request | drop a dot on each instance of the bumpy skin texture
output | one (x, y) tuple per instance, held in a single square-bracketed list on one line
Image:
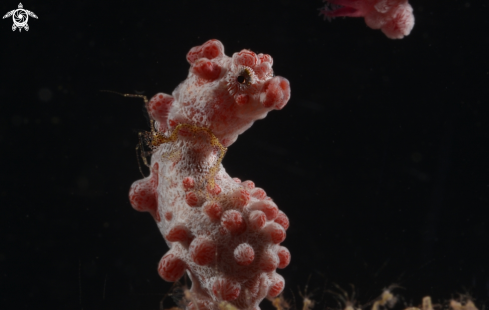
[(226, 237), (394, 17)]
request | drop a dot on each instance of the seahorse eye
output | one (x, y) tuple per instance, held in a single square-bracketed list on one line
[(241, 80)]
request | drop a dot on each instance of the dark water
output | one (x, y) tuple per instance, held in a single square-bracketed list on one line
[(380, 159)]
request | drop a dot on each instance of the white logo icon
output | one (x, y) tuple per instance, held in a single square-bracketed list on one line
[(20, 17)]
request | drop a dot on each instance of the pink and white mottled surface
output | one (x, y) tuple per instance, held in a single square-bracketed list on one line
[(394, 17), (226, 237)]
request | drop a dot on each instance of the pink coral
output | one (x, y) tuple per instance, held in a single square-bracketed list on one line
[(225, 235), (394, 17)]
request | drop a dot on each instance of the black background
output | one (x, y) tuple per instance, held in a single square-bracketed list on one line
[(380, 158)]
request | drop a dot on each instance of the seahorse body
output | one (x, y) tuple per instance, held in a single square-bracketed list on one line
[(394, 17), (226, 236)]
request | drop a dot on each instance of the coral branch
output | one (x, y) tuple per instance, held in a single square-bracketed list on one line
[(394, 17), (224, 233)]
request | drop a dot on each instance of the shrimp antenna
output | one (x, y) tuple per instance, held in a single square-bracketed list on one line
[(140, 146), (126, 95)]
